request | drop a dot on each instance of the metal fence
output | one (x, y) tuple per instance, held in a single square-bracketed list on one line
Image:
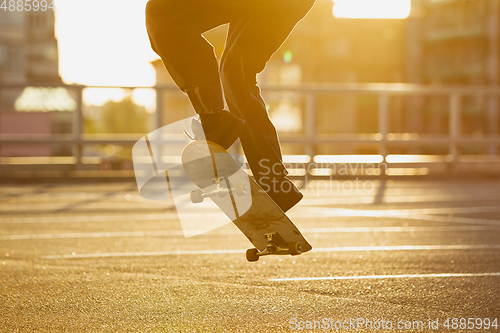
[(383, 139)]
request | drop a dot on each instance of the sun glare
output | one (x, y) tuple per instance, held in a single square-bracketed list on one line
[(99, 47), (105, 43), (372, 9)]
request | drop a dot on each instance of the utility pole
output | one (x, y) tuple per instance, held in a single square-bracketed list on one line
[(493, 72)]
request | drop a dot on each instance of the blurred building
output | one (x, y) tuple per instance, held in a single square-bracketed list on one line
[(321, 49), (28, 50), (29, 56), (332, 50), (454, 42), (174, 104), (325, 49)]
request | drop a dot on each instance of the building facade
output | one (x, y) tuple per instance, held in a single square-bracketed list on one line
[(454, 42), (28, 50), (29, 56), (321, 49)]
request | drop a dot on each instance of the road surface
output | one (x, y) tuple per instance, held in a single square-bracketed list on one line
[(400, 254)]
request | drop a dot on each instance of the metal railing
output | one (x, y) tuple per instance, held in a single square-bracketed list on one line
[(384, 139)]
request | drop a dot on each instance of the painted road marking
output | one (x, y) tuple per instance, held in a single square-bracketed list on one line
[(411, 214), (54, 206), (90, 218), (140, 254), (322, 199), (79, 205), (235, 232), (407, 248), (329, 249), (374, 277), (299, 212)]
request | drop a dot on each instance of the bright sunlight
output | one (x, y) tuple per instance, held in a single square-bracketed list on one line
[(374, 9)]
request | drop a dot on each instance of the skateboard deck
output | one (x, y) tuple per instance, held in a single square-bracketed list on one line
[(238, 195)]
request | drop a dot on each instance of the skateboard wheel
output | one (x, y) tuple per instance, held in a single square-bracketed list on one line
[(240, 188), (196, 196), (252, 255), (295, 249)]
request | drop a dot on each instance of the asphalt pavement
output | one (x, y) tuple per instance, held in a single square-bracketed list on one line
[(396, 255)]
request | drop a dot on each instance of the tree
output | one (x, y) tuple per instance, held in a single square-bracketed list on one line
[(124, 117)]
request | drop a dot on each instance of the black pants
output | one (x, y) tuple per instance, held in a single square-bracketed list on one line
[(257, 28)]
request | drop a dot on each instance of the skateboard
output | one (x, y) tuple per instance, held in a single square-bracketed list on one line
[(238, 195)]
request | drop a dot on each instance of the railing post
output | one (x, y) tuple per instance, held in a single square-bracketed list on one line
[(78, 128), (159, 106), (310, 126), (493, 67), (1, 110), (492, 118), (455, 128), (158, 146), (383, 123)]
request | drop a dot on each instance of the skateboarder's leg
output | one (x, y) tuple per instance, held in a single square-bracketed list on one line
[(175, 29), (251, 42)]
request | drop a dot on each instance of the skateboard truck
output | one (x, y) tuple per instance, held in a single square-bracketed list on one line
[(275, 245)]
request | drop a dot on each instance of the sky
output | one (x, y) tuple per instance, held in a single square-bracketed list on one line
[(379, 9), (104, 42)]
